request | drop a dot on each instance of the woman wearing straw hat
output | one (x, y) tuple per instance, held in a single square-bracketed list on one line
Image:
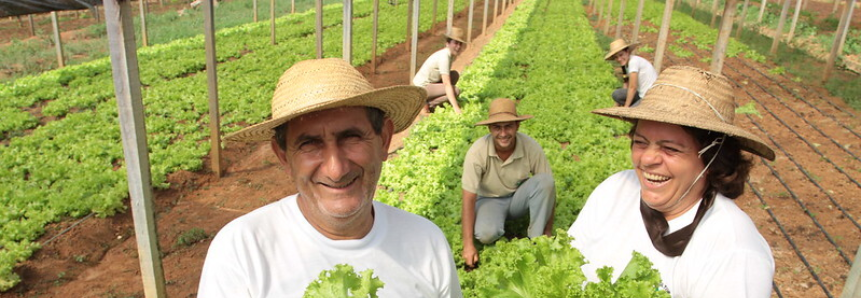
[(436, 75), (637, 72), (676, 205), (330, 129)]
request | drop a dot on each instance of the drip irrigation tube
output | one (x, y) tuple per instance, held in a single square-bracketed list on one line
[(67, 229), (851, 114), (789, 239)]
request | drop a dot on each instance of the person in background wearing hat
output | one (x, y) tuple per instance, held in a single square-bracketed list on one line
[(637, 73), (331, 131), (505, 174), (676, 205), (436, 75)]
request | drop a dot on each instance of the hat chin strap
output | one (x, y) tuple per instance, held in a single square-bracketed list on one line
[(719, 143)]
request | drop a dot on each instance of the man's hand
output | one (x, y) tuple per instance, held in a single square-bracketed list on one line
[(470, 255)]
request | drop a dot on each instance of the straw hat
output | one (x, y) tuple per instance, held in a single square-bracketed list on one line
[(315, 85), (617, 46), (692, 97), (457, 34), (502, 110)]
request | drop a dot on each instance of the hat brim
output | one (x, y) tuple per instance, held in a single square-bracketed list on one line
[(503, 118), (455, 38), (610, 54), (399, 103), (748, 141)]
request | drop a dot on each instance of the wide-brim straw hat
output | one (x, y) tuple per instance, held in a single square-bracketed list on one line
[(692, 97), (617, 46), (457, 34), (502, 110), (320, 84)]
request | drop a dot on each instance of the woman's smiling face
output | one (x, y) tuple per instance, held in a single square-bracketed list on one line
[(666, 160)]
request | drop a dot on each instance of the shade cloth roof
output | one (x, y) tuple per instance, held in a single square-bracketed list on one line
[(24, 7)]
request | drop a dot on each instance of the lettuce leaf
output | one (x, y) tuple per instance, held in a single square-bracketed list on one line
[(342, 281)]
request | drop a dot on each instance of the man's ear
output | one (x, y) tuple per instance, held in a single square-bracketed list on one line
[(386, 134), (281, 154)]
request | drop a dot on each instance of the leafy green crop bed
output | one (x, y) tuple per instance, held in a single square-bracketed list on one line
[(73, 166)]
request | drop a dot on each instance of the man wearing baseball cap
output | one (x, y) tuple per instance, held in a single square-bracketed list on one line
[(505, 175), (331, 130)]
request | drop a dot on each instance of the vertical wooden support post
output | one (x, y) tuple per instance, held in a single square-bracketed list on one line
[(254, 7), (449, 18), (761, 10), (794, 21), (433, 18), (484, 17), (662, 35), (601, 5), (852, 287), (126, 77), (292, 6), (635, 35), (838, 39), (32, 25), (95, 10), (319, 29), (212, 84), (609, 16), (272, 22), (714, 12), (779, 32), (742, 18), (719, 53), (469, 21), (144, 35), (621, 19), (58, 43), (495, 9), (836, 5), (416, 4), (347, 45), (374, 37), (848, 16), (409, 23)]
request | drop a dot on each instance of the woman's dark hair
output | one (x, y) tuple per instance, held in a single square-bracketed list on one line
[(375, 116), (730, 168)]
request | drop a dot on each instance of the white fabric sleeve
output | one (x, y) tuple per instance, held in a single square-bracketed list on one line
[(444, 64)]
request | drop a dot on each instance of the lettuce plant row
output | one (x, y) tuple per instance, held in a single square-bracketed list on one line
[(74, 166)]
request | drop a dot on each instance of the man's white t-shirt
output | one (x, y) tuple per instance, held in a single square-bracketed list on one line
[(274, 252), (726, 256), (646, 74), (438, 64)]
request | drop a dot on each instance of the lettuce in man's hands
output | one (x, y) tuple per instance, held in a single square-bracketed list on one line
[(342, 281)]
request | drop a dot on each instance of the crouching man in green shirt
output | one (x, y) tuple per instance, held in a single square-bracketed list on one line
[(505, 174)]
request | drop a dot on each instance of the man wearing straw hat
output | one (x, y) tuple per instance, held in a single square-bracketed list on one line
[(436, 75), (638, 74), (331, 130), (676, 205), (505, 174)]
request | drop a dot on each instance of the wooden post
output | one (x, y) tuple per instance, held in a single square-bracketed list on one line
[(601, 6), (409, 23), (292, 6), (416, 4), (144, 35), (610, 16), (449, 18), (621, 19), (779, 32), (433, 18), (319, 29), (495, 9), (58, 43), (719, 53), (848, 16), (836, 5), (761, 10), (742, 19), (126, 78), (254, 7), (272, 22), (636, 34), (212, 84), (348, 31), (852, 287), (794, 21), (374, 36), (714, 12), (484, 17), (32, 25), (469, 21), (662, 35), (95, 10)]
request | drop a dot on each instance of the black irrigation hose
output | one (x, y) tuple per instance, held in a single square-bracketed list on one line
[(788, 239), (67, 229), (798, 96), (851, 114), (799, 115)]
